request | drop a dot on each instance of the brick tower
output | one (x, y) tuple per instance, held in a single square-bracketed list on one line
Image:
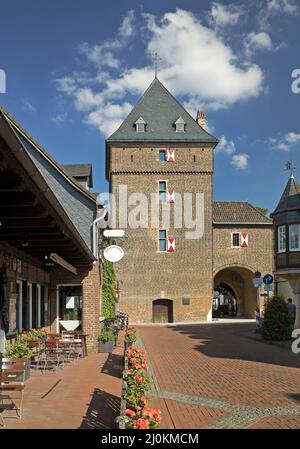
[(161, 151)]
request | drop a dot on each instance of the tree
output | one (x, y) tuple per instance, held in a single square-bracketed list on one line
[(277, 324), (262, 210)]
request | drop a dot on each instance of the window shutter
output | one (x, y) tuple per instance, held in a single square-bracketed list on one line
[(170, 196), (170, 155), (244, 240), (171, 245)]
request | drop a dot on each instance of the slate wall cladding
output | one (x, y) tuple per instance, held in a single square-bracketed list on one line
[(80, 209)]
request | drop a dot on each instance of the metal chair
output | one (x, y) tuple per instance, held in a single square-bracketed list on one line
[(12, 380)]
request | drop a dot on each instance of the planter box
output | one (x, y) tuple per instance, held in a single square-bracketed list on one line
[(108, 346)]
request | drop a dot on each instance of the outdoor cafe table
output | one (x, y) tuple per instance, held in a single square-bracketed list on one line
[(82, 336)]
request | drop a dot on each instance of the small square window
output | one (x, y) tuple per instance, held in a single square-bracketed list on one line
[(162, 240), (236, 240), (162, 191), (162, 155), (140, 127)]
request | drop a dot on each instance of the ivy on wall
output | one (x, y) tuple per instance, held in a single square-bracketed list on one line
[(109, 283), (4, 299)]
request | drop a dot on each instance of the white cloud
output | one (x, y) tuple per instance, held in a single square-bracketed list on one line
[(240, 161), (102, 55), (225, 146), (60, 118), (109, 117), (223, 15), (196, 64), (257, 41), (27, 106), (275, 7), (285, 143), (127, 27)]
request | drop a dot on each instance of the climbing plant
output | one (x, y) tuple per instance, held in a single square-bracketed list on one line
[(4, 298), (109, 283)]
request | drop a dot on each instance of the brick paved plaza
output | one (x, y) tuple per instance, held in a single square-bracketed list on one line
[(84, 394), (219, 376), (203, 376)]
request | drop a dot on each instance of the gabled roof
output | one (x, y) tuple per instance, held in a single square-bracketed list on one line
[(160, 110), (75, 205), (238, 212), (290, 199), (80, 171)]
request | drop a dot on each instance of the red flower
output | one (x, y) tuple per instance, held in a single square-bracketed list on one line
[(141, 424), (130, 413)]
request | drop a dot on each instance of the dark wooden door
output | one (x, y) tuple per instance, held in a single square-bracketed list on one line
[(162, 311)]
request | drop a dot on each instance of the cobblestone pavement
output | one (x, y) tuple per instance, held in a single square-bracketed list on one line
[(218, 376)]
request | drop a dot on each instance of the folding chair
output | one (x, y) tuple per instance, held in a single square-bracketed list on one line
[(12, 380)]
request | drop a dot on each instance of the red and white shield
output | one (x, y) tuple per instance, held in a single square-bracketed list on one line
[(171, 245), (171, 196), (170, 155), (244, 240)]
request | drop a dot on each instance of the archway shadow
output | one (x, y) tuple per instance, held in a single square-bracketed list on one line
[(114, 365), (102, 411), (236, 341)]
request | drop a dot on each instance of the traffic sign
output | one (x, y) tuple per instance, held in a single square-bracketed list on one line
[(257, 274), (268, 279), (257, 282), (268, 288)]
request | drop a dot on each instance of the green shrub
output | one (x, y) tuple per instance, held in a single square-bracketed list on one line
[(17, 350), (106, 336), (277, 324)]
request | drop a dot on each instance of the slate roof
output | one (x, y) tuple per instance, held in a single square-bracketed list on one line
[(290, 199), (160, 110), (238, 212), (80, 171), (76, 202)]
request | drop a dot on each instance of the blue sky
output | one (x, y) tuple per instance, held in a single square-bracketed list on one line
[(75, 69)]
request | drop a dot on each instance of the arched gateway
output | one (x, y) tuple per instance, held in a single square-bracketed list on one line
[(236, 287), (162, 311)]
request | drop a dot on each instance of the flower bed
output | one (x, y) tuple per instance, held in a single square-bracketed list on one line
[(135, 412)]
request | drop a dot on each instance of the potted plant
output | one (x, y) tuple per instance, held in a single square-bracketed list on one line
[(106, 341), (19, 350)]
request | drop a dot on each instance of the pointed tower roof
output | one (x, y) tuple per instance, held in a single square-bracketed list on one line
[(290, 199), (160, 110)]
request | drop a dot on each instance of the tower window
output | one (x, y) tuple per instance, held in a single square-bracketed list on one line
[(281, 239), (162, 186), (180, 125), (236, 240), (132, 158), (162, 155), (162, 240), (294, 232), (140, 125)]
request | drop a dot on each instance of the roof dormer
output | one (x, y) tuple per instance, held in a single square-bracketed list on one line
[(180, 125), (140, 125)]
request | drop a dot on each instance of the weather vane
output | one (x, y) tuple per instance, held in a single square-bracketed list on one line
[(290, 167), (156, 58)]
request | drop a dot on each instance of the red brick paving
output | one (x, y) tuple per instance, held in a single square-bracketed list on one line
[(220, 362), (278, 422), (87, 395)]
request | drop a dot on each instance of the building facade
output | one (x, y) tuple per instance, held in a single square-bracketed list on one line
[(48, 272), (287, 244), (161, 159)]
